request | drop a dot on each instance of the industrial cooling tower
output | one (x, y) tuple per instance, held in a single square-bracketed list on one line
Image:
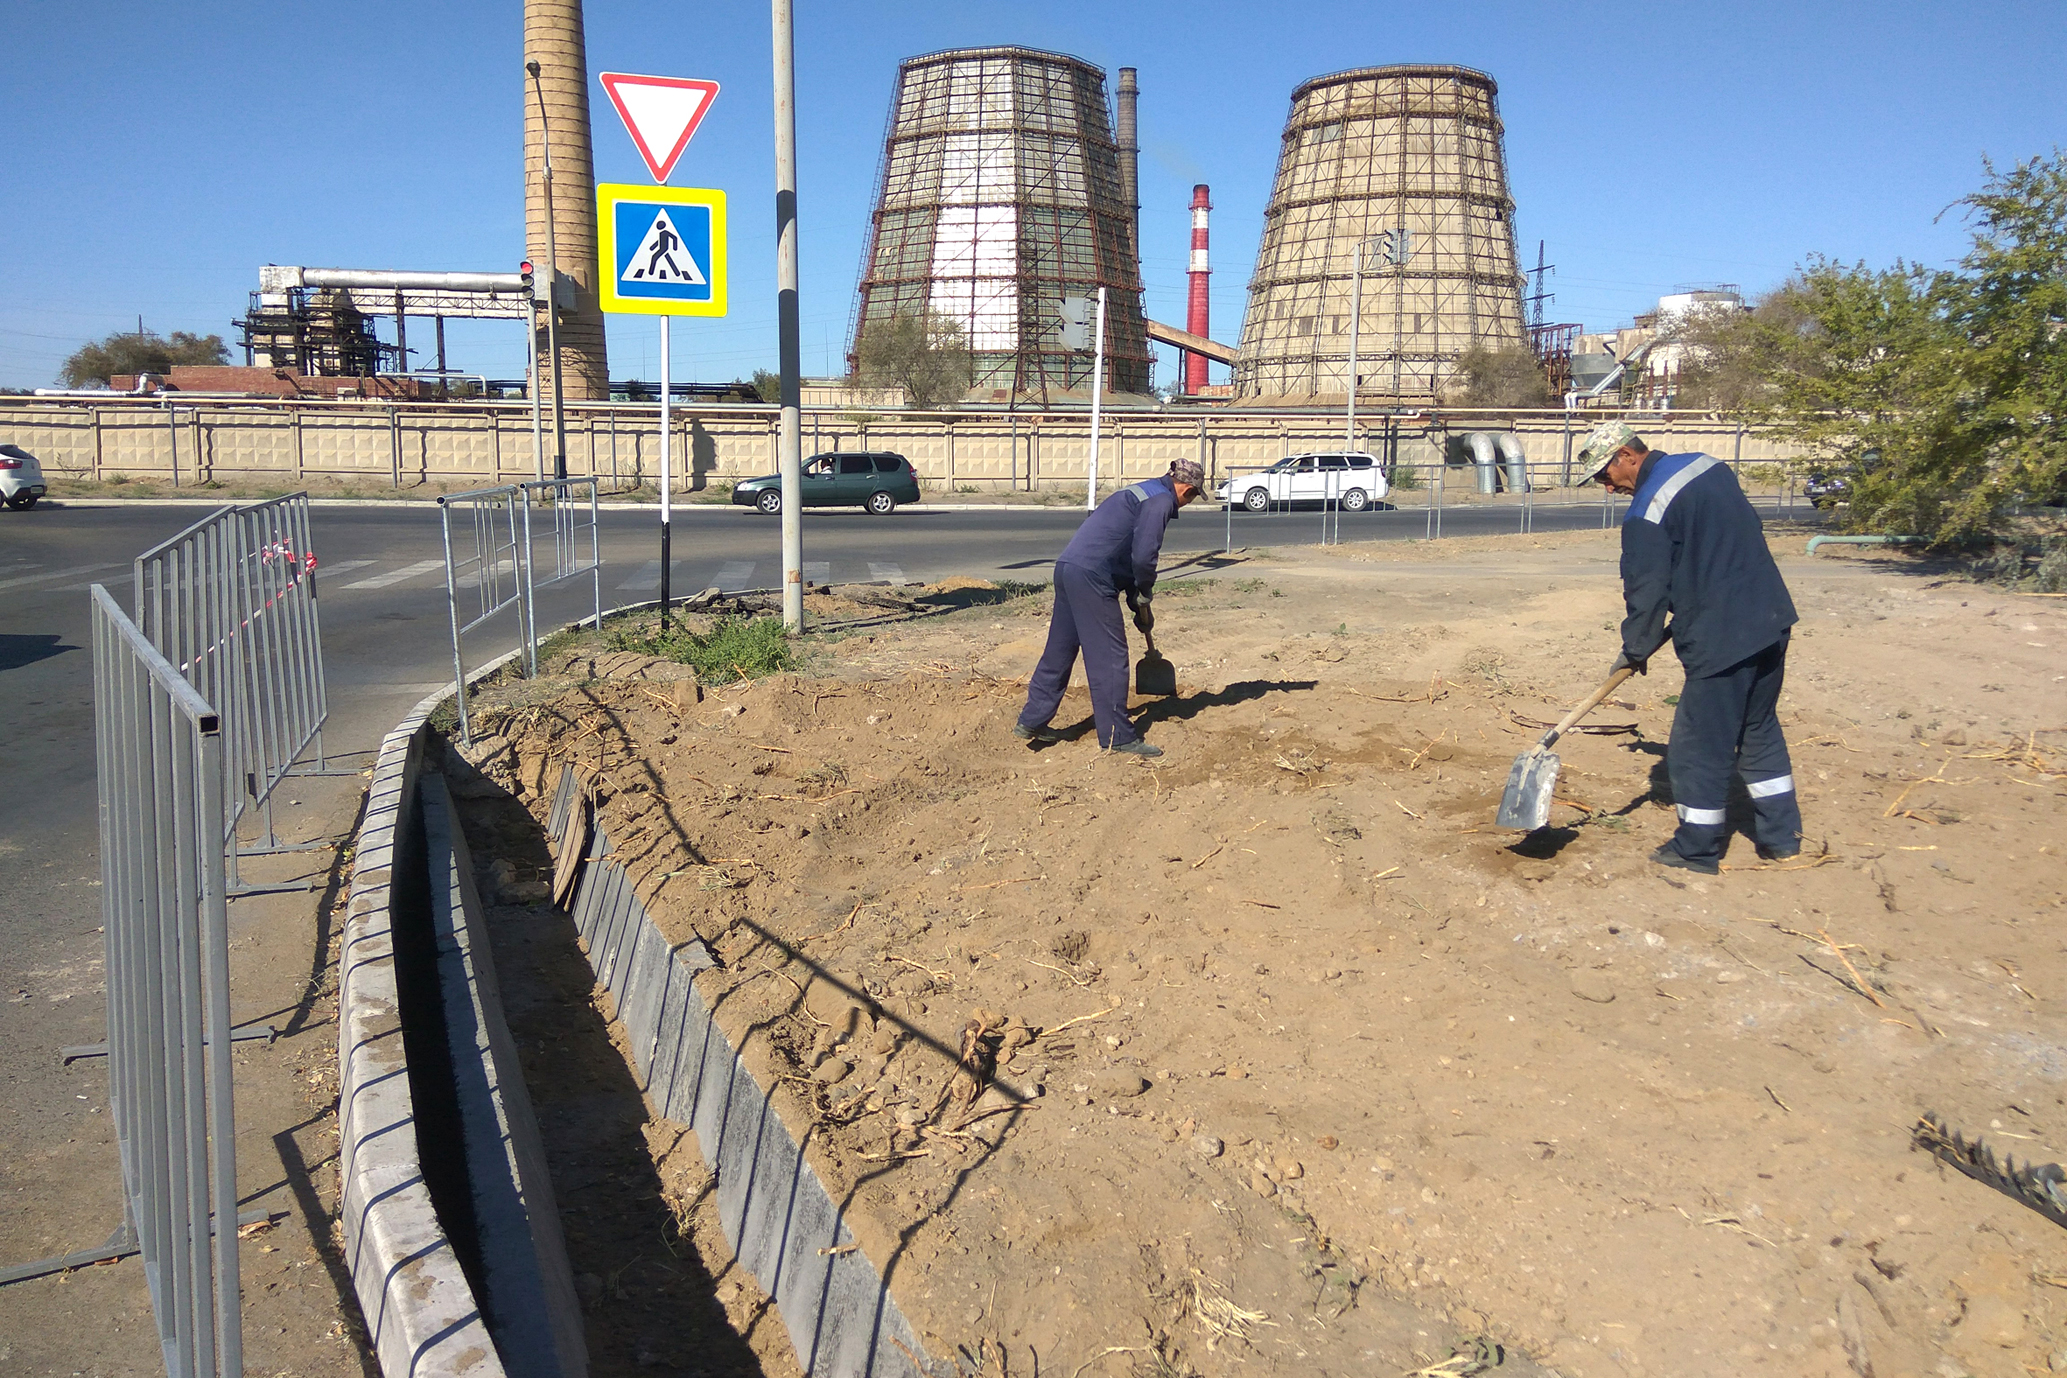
[(1001, 193), (1366, 155)]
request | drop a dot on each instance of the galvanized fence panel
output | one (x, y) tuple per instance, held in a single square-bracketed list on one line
[(160, 753), (576, 537), (487, 558), (231, 603)]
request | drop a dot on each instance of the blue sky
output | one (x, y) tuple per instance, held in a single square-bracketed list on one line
[(155, 156)]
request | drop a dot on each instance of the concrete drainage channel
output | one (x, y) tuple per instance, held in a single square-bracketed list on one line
[(450, 1223)]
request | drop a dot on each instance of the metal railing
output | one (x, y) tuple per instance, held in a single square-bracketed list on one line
[(231, 603), (161, 752), (1435, 490), (573, 526), (494, 558)]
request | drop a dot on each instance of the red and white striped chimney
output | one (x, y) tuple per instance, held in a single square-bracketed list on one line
[(1199, 311)]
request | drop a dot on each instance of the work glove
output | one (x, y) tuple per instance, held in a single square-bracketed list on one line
[(1625, 661), (1144, 614)]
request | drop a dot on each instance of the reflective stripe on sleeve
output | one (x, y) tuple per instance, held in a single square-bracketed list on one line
[(1708, 817), (1670, 488), (1766, 789)]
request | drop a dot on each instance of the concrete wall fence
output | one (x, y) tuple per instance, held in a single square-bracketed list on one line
[(401, 446)]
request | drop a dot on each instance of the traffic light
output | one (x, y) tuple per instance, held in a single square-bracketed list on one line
[(1075, 329)]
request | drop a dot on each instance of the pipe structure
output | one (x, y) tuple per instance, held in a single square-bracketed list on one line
[(405, 281), (1484, 457), (1130, 160), (1514, 459), (552, 278), (1198, 310), (553, 38)]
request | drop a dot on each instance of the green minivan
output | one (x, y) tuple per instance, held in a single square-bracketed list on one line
[(873, 480)]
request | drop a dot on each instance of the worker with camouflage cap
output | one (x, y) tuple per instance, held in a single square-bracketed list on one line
[(1114, 552), (1694, 549)]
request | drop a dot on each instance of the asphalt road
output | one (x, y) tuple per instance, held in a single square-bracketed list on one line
[(385, 639)]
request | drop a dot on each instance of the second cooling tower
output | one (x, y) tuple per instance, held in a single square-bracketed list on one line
[(1368, 154), (1001, 194)]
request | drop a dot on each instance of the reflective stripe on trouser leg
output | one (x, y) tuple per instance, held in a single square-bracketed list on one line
[(1762, 757), (1702, 757)]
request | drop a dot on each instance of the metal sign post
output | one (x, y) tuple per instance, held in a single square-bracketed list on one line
[(667, 468), (663, 252), (663, 248), (789, 445)]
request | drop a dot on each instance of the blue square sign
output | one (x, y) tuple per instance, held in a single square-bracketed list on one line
[(663, 250)]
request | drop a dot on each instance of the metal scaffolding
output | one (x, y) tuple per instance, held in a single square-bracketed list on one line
[(1367, 153), (1000, 192)]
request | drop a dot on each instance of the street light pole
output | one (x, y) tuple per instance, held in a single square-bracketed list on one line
[(552, 288), (789, 445), (1356, 319)]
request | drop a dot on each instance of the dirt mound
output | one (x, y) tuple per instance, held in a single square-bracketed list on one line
[(1276, 1053)]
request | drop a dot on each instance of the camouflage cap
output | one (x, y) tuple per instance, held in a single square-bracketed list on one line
[(1601, 446), (1188, 471)]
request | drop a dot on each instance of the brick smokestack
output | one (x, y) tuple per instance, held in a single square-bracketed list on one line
[(1198, 316), (553, 39), (1130, 161)]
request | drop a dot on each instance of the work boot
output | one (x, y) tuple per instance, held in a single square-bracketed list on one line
[(1035, 734), (1137, 747), (1669, 856), (1776, 854)]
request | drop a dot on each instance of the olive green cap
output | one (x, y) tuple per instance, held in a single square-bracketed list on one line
[(1601, 446)]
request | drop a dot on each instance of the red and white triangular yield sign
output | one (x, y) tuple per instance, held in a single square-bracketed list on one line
[(661, 113)]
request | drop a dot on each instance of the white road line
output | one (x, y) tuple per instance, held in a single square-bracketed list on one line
[(341, 566), (818, 571), (648, 577), (415, 571), (61, 574), (734, 575), (891, 573)]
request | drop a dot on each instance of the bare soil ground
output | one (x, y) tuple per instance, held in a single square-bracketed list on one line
[(1300, 1065)]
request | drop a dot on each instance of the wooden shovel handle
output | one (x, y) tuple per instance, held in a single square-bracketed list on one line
[(1593, 702)]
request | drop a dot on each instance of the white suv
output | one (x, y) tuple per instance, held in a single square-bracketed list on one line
[(1352, 481)]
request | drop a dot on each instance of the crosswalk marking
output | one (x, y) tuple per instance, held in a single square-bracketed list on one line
[(61, 573), (647, 577), (889, 573), (342, 566), (735, 574), (396, 576), (818, 571)]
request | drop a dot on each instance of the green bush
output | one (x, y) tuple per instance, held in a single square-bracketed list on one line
[(734, 648)]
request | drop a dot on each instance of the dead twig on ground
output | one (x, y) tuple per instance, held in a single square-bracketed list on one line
[(1080, 1019), (1066, 972), (1208, 856), (1857, 979), (920, 966), (992, 885), (1405, 810)]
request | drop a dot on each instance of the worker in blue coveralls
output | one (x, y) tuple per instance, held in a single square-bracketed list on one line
[(1693, 547), (1113, 553)]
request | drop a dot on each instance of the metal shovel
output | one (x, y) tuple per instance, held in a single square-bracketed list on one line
[(1154, 677), (1525, 803)]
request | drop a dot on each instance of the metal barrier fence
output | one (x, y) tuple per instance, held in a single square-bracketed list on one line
[(495, 558), (231, 603), (161, 754), (1519, 490)]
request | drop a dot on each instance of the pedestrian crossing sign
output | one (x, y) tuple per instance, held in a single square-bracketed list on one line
[(663, 249)]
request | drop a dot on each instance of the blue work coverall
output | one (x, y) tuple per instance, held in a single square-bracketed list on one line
[(1113, 551), (1693, 547)]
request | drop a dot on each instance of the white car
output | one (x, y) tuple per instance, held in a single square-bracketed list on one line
[(21, 478), (1352, 481)]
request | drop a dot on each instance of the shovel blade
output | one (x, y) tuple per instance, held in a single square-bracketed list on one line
[(1531, 784), (1155, 677)]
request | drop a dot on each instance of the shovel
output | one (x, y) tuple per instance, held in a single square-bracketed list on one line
[(1525, 804), (1154, 677)]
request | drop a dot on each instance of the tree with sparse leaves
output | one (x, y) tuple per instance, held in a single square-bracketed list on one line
[(768, 385), (1499, 376), (927, 355), (132, 352), (1939, 397)]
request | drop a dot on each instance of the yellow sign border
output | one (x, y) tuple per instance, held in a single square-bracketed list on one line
[(608, 195)]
